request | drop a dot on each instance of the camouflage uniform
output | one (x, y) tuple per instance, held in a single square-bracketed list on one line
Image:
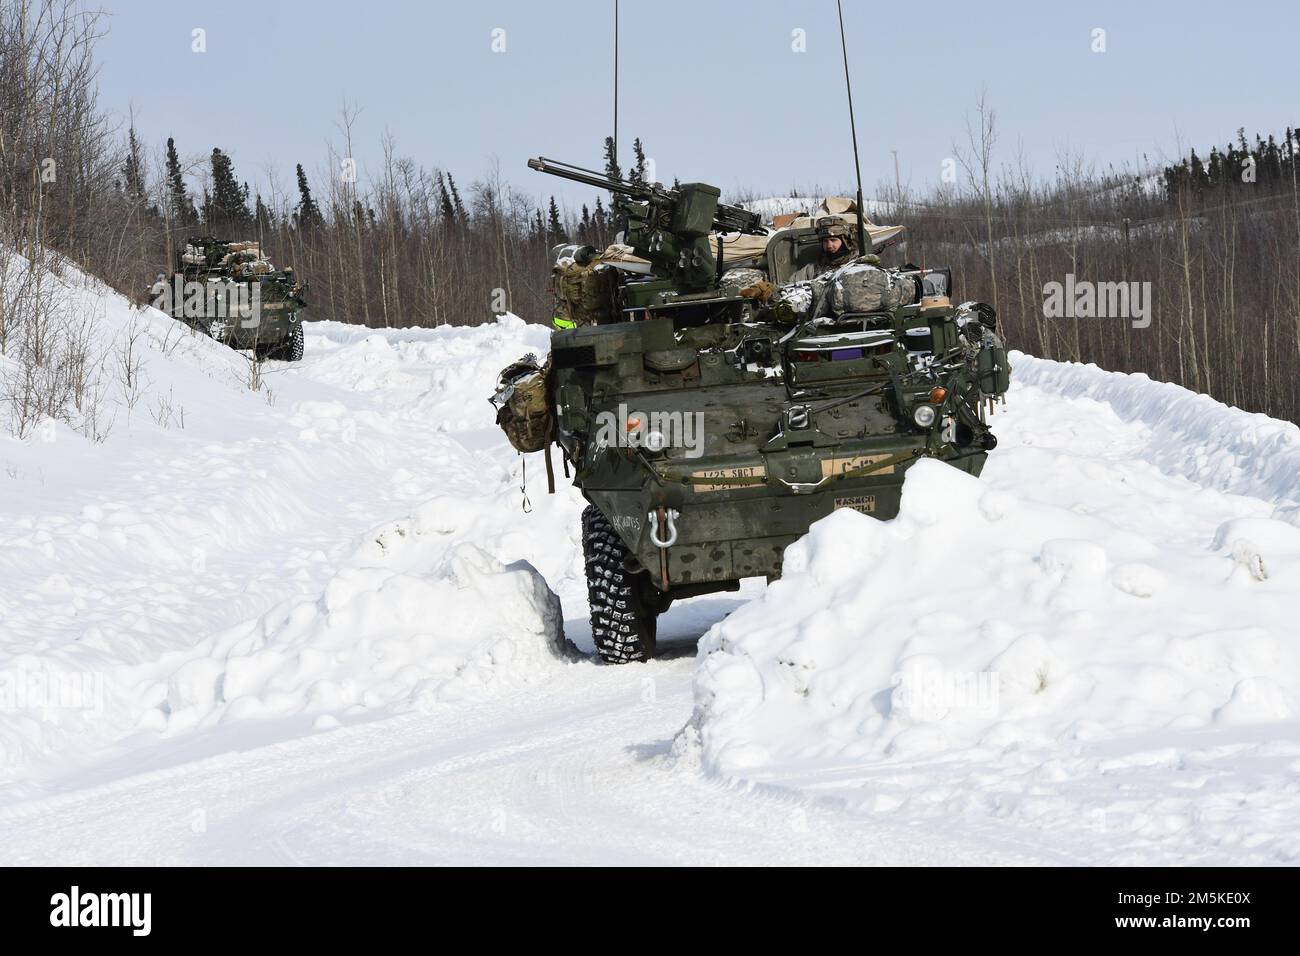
[(829, 226)]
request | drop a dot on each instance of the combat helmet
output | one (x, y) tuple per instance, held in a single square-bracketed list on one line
[(836, 227)]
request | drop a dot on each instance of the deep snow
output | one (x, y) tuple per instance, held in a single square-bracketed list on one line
[(314, 623)]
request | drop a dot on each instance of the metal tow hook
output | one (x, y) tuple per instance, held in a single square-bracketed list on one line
[(657, 521)]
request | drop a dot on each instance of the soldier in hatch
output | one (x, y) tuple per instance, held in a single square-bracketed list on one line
[(838, 247)]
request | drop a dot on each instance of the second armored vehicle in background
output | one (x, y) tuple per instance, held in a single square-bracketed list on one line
[(230, 290)]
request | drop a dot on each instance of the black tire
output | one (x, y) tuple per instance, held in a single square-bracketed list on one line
[(290, 350), (622, 620)]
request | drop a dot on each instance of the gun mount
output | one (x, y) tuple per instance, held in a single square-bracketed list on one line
[(669, 227)]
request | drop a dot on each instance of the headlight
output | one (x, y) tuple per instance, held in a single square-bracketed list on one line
[(924, 415)]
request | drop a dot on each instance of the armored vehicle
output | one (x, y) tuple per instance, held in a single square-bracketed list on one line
[(726, 408), (230, 290)]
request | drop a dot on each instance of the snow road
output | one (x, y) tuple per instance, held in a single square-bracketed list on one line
[(576, 771), (300, 639)]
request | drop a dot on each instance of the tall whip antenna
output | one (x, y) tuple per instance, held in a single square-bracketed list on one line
[(857, 166), (615, 151)]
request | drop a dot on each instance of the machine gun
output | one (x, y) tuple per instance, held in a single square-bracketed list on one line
[(669, 227)]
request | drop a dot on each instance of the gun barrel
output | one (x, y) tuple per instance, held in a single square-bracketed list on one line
[(579, 175), (735, 219), (726, 219)]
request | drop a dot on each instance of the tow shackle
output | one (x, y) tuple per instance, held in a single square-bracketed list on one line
[(668, 518)]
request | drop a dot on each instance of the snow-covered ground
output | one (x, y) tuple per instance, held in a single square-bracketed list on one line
[(314, 623)]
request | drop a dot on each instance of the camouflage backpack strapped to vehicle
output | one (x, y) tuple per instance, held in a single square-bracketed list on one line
[(586, 292), (864, 287), (523, 405)]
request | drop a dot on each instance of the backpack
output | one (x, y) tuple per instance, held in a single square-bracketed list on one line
[(863, 287), (586, 292), (523, 404)]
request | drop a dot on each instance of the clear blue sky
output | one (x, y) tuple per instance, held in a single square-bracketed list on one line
[(713, 88)]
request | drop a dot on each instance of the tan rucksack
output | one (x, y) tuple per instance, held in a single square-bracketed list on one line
[(586, 292), (523, 404)]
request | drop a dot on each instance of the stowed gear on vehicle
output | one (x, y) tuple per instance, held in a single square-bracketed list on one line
[(731, 404)]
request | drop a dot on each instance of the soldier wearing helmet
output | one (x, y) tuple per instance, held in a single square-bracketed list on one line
[(839, 245)]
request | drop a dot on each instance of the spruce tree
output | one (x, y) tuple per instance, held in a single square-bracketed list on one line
[(455, 200), (554, 227), (445, 206), (228, 207), (262, 221), (133, 169), (308, 212), (638, 174), (611, 161), (183, 213)]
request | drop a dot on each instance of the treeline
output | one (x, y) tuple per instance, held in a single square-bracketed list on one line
[(409, 247), (400, 245), (1217, 239), (1219, 249), (1267, 161)]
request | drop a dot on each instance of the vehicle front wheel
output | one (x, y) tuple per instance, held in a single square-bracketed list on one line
[(291, 349), (622, 620)]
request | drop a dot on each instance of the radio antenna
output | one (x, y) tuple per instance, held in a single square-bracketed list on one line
[(615, 140), (857, 166)]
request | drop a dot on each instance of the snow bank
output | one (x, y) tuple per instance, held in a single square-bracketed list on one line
[(199, 508), (407, 620), (1188, 434), (975, 619), (1004, 641)]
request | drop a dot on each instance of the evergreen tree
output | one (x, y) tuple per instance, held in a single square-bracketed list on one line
[(638, 174), (611, 161), (1199, 179), (228, 208), (445, 207), (455, 200), (183, 213), (133, 169), (554, 227), (308, 212)]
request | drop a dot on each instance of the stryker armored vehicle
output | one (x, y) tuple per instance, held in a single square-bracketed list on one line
[(713, 421), (230, 290)]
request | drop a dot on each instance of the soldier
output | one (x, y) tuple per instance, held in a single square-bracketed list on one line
[(838, 247)]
